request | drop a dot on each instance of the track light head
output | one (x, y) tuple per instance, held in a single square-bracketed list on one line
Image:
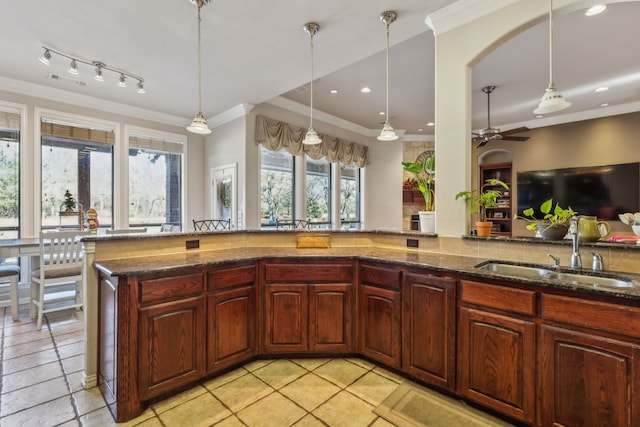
[(73, 67), (122, 82), (46, 56), (141, 87), (99, 67)]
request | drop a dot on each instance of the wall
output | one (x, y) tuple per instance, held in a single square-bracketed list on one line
[(603, 141)]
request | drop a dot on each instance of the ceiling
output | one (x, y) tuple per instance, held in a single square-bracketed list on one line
[(255, 51)]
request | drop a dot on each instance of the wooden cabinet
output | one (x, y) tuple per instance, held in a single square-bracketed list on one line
[(497, 348), (502, 215), (379, 313), (171, 333), (308, 306), (231, 319), (428, 328), (588, 376)]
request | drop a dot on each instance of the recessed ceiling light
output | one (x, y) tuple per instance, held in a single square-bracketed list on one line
[(334, 90), (382, 113), (601, 89), (604, 104), (539, 116), (431, 124), (594, 10), (365, 89), (420, 130)]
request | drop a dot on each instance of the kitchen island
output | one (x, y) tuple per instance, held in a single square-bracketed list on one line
[(168, 317)]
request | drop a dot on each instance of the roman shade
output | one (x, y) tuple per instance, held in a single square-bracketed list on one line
[(276, 135)]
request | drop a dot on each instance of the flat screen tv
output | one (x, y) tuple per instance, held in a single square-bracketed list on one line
[(602, 191)]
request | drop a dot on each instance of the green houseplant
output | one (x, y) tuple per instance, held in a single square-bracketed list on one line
[(424, 173), (555, 220), (479, 201)]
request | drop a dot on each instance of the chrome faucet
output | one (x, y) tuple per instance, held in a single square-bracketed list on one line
[(556, 260), (596, 264), (576, 261)]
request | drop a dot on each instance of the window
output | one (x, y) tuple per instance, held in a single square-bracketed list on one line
[(318, 193), (155, 182), (350, 196), (276, 187), (76, 159), (9, 173)]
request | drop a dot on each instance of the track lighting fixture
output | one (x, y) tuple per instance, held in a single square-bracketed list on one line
[(46, 56), (73, 68), (99, 68), (199, 124)]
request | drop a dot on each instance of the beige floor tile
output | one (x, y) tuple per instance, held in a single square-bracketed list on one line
[(231, 421), (388, 374), (26, 337), (18, 380), (103, 418), (54, 412), (381, 422), (57, 319), (71, 349), (204, 410), (75, 381), (29, 361), (361, 362), (178, 399), (70, 338), (346, 410), (279, 373), (24, 324), (340, 372), (309, 421), (224, 379), (273, 410), (310, 391), (73, 364), (67, 326), (310, 364), (242, 392), (36, 394), (257, 364), (88, 400), (373, 388), (27, 348)]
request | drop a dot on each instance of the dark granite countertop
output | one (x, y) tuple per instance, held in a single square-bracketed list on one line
[(438, 262)]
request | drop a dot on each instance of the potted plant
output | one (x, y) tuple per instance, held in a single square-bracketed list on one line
[(479, 201), (554, 223), (424, 175)]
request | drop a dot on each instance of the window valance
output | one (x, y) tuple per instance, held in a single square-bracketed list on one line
[(276, 135)]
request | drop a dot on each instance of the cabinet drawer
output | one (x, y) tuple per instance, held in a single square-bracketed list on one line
[(170, 288), (387, 277), (500, 297), (308, 273), (232, 276), (598, 315)]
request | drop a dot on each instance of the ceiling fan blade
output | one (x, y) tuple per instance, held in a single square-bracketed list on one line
[(514, 138), (516, 130), (483, 142)]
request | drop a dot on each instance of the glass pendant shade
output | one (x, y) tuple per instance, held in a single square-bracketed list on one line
[(387, 133), (199, 125), (311, 138), (552, 100)]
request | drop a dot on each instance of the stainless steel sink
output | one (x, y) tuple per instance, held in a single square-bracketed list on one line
[(543, 272)]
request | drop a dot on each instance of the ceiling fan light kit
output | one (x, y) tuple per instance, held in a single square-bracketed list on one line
[(552, 100), (483, 136), (199, 124), (387, 133), (311, 138)]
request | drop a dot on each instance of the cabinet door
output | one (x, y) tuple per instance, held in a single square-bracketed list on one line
[(379, 319), (330, 317), (428, 323), (286, 324), (587, 380), (496, 362), (231, 328), (172, 349)]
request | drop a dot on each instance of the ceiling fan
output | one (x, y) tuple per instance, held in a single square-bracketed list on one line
[(493, 134)]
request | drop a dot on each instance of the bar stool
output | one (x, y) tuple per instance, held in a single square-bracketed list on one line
[(9, 273)]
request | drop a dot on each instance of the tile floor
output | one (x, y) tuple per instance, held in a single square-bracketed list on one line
[(42, 371)]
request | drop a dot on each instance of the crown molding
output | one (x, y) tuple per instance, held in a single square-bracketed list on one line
[(461, 13), (240, 110), (60, 95)]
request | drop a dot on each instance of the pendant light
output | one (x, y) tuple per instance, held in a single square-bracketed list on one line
[(387, 133), (552, 100), (311, 138), (199, 124)]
